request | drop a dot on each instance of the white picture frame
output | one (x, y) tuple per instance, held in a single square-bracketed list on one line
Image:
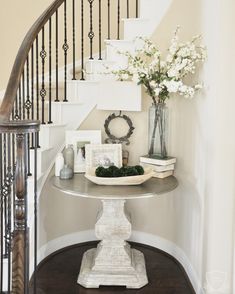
[(103, 155), (79, 139)]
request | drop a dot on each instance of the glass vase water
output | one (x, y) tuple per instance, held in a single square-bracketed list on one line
[(158, 130)]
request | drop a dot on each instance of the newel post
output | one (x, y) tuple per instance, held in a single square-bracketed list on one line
[(20, 235)]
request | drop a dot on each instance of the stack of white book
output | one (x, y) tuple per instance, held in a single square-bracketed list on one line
[(163, 168)]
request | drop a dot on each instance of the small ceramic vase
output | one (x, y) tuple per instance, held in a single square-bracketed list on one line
[(69, 156), (59, 163), (66, 173)]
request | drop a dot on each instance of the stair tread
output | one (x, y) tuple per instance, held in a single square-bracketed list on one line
[(139, 19), (42, 149), (117, 41), (52, 125), (65, 103)]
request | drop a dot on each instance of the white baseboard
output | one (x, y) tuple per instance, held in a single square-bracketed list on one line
[(172, 249), (140, 237)]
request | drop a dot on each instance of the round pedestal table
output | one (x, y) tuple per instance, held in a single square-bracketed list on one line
[(113, 262)]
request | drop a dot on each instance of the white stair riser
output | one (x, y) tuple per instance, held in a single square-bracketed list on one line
[(124, 96), (99, 66), (44, 137), (113, 49), (108, 95), (51, 135), (137, 28), (100, 77), (82, 91)]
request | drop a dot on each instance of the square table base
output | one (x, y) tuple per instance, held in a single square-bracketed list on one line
[(133, 276)]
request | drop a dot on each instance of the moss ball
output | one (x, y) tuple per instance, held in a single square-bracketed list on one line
[(99, 171), (131, 171), (102, 172), (117, 173), (140, 169)]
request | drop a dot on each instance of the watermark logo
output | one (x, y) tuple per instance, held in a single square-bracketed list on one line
[(216, 282)]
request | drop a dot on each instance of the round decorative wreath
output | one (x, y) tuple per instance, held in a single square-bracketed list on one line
[(113, 139)]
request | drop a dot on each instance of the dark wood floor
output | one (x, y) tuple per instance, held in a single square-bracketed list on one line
[(58, 274)]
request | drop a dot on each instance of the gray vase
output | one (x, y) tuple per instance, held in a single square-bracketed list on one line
[(69, 157), (66, 173)]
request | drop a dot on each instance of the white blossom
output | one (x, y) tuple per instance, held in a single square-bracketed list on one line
[(135, 78), (162, 75), (153, 84), (157, 91)]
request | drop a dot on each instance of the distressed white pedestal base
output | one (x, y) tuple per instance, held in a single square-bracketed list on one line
[(132, 277), (113, 262)]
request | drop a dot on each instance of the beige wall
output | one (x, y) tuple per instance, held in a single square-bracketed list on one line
[(16, 17)]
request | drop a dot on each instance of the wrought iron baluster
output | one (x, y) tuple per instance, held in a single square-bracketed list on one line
[(28, 106), (74, 41), (65, 48), (91, 33), (50, 71), (82, 40), (137, 8), (32, 90), (28, 103), (43, 91), (15, 114), (20, 101), (37, 86), (57, 56), (118, 20), (37, 79), (35, 215), (128, 9), (100, 30), (109, 21), (32, 82), (23, 93)]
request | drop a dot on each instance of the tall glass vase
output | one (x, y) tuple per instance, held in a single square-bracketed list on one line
[(158, 130)]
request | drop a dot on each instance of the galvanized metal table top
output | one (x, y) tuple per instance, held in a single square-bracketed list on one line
[(80, 186)]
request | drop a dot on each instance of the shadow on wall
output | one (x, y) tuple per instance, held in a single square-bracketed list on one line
[(62, 214)]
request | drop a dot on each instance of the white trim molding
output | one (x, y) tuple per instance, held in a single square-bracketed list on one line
[(139, 237)]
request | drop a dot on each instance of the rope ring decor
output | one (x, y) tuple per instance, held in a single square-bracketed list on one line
[(113, 139)]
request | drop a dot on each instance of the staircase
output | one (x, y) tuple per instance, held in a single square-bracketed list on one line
[(62, 99)]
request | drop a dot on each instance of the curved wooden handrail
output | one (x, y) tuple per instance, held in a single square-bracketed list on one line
[(17, 70)]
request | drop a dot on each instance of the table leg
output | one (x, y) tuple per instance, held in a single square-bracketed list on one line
[(113, 262)]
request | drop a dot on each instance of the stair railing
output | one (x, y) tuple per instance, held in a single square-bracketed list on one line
[(69, 30)]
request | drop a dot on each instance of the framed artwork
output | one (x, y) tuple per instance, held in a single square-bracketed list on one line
[(79, 139), (103, 155)]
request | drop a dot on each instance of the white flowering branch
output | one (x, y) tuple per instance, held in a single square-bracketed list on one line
[(161, 77)]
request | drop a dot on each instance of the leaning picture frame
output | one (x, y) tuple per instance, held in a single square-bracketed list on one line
[(103, 155), (79, 139)]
